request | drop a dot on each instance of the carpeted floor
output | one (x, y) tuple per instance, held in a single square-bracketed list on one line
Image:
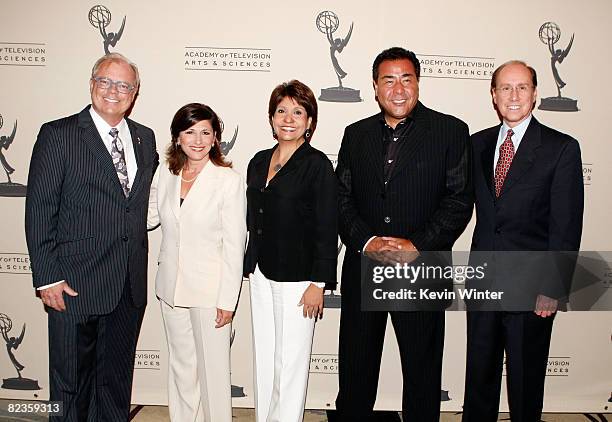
[(160, 414)]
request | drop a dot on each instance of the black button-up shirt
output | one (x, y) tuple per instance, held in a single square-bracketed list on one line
[(392, 139), (293, 220)]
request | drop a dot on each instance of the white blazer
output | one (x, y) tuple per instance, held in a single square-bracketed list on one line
[(203, 241)]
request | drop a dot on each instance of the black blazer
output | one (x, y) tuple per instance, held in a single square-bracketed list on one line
[(540, 206), (292, 222), (79, 225), (541, 203), (428, 198)]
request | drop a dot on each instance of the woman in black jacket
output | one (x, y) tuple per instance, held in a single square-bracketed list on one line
[(292, 251)]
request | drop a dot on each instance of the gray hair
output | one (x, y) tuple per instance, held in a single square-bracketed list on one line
[(116, 57)]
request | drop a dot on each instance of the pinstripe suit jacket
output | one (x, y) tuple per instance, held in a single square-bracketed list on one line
[(80, 227), (428, 197)]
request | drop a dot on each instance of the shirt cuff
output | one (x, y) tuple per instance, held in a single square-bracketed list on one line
[(46, 286), (367, 243), (318, 284)]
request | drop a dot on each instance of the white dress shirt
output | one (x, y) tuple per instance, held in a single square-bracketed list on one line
[(126, 139), (519, 131)]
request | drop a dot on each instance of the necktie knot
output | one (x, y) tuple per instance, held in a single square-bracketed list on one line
[(114, 132), (508, 134)]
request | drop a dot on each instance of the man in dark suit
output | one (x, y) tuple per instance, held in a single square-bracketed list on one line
[(86, 209), (529, 197), (405, 185)]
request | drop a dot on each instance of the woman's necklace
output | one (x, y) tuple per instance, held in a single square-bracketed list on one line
[(276, 168)]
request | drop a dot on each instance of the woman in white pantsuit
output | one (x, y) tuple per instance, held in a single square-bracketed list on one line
[(200, 203), (292, 251)]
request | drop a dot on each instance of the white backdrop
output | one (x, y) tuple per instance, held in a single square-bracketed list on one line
[(230, 55)]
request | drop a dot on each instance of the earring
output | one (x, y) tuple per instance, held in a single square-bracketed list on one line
[(274, 135), (308, 133)]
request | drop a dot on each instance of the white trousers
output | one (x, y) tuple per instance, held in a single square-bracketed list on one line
[(282, 342), (199, 387)]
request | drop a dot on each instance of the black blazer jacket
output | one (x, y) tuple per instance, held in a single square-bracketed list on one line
[(292, 222), (540, 206), (541, 203), (79, 225), (428, 197)]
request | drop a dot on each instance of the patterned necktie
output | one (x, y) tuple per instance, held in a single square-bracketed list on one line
[(118, 156), (506, 154)]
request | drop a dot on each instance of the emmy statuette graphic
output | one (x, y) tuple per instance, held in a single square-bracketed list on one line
[(12, 343), (327, 22), (550, 33), (9, 188), (100, 17), (226, 147)]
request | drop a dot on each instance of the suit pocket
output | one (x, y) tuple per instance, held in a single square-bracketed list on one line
[(77, 247)]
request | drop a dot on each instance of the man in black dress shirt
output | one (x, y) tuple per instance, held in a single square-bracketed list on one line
[(404, 186)]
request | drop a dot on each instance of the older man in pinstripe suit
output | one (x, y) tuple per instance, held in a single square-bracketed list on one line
[(86, 209), (404, 186)]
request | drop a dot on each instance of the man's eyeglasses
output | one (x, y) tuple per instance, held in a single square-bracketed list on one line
[(506, 90), (106, 83)]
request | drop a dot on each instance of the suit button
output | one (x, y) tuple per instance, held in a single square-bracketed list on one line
[(259, 231), (262, 190), (124, 238), (497, 230), (261, 210), (127, 209), (387, 219)]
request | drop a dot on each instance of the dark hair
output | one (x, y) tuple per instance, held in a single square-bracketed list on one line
[(534, 76), (185, 117), (301, 94), (395, 53)]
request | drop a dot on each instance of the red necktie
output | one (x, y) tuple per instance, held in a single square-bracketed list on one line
[(506, 154)]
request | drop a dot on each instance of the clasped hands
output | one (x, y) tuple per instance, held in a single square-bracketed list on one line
[(391, 250)]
